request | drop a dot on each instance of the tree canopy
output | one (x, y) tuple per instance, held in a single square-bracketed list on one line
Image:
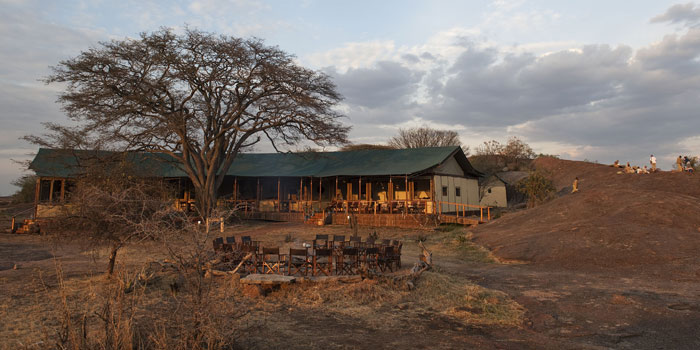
[(199, 97), (426, 137)]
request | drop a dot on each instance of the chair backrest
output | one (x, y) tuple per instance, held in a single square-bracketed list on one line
[(246, 239), (386, 241), (324, 252), (271, 251), (298, 252), (350, 251), (339, 238), (355, 239), (372, 251), (321, 237), (231, 240), (219, 241), (389, 250)]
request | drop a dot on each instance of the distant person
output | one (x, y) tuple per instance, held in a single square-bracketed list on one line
[(652, 160), (616, 164), (575, 185), (679, 163), (646, 170), (628, 169)]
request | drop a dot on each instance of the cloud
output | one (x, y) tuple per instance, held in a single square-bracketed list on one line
[(598, 102), (687, 14)]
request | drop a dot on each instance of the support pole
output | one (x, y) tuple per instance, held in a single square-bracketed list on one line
[(51, 192), (36, 196), (405, 194), (390, 195), (279, 200), (63, 189)]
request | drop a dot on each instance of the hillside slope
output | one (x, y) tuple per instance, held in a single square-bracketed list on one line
[(648, 224)]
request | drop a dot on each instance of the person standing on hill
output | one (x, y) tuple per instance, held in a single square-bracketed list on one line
[(679, 163), (652, 160), (575, 185)]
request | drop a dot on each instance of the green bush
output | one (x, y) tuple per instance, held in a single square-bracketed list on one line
[(537, 187)]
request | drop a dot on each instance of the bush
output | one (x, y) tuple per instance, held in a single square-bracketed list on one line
[(27, 186), (537, 187)]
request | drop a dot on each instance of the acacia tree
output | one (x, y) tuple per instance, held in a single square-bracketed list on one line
[(197, 97), (426, 137)]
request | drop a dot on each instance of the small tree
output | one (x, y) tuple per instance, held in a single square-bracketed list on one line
[(197, 97), (110, 203), (515, 154), (537, 187), (426, 137), (27, 186)]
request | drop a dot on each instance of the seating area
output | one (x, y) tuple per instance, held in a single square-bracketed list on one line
[(326, 255)]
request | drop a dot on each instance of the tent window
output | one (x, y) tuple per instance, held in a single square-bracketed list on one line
[(458, 192), (444, 190), (489, 190)]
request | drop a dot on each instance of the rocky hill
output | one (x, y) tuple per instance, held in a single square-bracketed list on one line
[(634, 223)]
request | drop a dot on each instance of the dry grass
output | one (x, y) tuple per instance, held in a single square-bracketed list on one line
[(76, 307)]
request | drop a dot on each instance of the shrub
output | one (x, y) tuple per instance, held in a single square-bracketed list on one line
[(537, 187)]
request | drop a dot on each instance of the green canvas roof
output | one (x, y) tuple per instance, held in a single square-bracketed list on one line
[(377, 162)]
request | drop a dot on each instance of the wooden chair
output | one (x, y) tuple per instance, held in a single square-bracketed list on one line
[(347, 262), (355, 241), (271, 260), (371, 258), (317, 241), (323, 262), (218, 244), (299, 261), (338, 241), (230, 244), (396, 257), (253, 264), (384, 258)]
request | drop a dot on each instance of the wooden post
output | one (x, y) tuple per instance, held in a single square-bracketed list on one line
[(359, 192), (405, 194), (301, 189), (221, 223), (335, 195), (320, 192), (36, 196), (279, 200), (12, 226), (235, 189), (488, 211), (481, 212), (390, 195), (63, 189), (51, 192)]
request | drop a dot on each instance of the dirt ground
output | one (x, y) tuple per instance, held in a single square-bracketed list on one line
[(614, 266)]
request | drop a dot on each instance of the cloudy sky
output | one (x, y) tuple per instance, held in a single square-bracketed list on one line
[(596, 80)]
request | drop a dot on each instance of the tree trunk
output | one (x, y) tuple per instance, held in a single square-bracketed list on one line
[(112, 258)]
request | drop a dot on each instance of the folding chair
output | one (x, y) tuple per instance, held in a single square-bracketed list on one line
[(347, 262), (317, 244), (323, 262), (271, 260), (218, 244), (299, 261), (338, 241)]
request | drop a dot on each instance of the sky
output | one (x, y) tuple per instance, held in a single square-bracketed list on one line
[(585, 80)]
